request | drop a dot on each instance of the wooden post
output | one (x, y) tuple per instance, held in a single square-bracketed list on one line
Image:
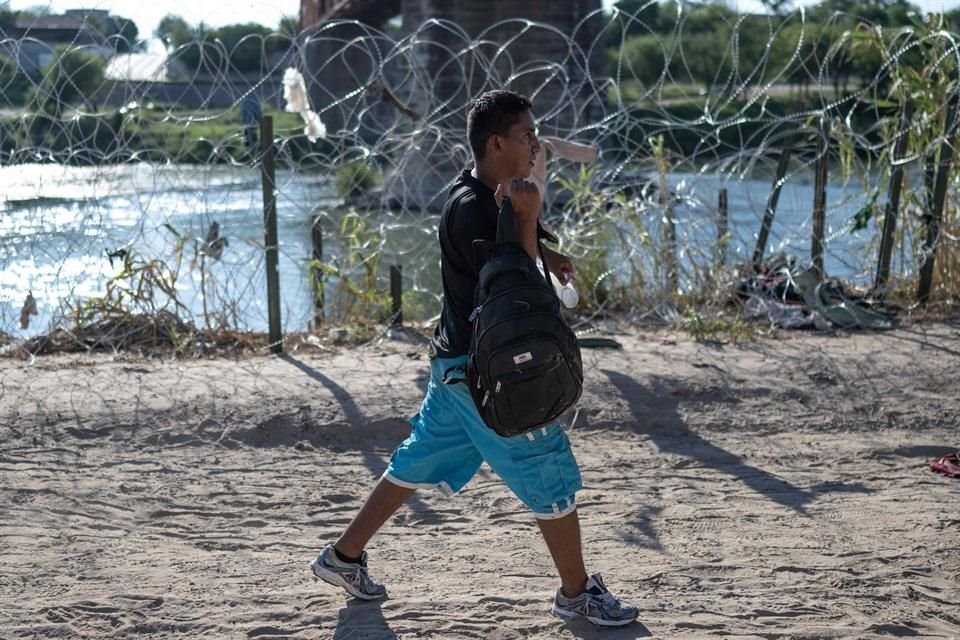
[(316, 237), (934, 215), (723, 225), (893, 202), (929, 177), (396, 293), (269, 180), (772, 201), (820, 197)]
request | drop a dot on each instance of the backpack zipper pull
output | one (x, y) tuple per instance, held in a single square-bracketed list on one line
[(475, 313)]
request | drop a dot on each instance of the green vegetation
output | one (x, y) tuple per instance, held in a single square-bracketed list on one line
[(694, 76), (150, 133), (72, 76), (712, 45), (355, 177), (349, 283), (241, 48), (923, 77), (608, 243), (716, 327), (14, 84)]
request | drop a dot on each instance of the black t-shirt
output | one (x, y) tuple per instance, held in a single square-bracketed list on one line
[(467, 230)]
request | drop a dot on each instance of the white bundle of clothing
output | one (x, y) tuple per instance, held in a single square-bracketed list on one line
[(295, 95)]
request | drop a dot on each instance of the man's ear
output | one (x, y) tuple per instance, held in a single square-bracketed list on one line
[(495, 144)]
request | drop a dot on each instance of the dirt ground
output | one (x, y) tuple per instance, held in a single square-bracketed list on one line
[(770, 489)]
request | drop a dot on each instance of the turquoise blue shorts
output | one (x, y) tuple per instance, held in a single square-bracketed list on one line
[(449, 441)]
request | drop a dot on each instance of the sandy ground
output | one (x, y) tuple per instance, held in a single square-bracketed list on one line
[(775, 489)]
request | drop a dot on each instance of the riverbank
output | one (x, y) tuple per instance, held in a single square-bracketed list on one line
[(165, 133), (769, 488), (147, 133)]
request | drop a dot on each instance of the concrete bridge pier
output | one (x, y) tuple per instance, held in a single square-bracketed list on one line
[(452, 54)]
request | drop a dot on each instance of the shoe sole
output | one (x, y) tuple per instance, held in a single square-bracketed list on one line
[(568, 615), (331, 577)]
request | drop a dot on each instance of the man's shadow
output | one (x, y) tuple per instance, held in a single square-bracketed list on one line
[(392, 433), (652, 404), (363, 619), (588, 631)]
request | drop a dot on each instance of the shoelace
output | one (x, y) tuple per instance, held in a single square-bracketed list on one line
[(362, 578), (607, 599), (359, 576)]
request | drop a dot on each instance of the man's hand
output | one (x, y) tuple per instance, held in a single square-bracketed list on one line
[(524, 196), (525, 200)]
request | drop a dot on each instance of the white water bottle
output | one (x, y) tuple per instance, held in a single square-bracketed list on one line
[(567, 294)]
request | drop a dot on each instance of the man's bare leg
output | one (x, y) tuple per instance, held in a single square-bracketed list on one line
[(563, 540), (381, 504)]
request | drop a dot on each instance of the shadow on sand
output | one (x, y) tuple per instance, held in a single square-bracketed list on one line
[(652, 402), (361, 619)]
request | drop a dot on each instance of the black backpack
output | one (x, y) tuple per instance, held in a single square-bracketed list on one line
[(523, 368)]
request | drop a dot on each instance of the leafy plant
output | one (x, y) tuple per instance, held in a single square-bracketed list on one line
[(706, 328), (356, 177), (14, 83), (141, 286), (918, 68), (73, 74), (349, 282), (599, 230)]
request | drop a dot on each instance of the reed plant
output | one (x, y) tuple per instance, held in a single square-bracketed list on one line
[(606, 237), (349, 282), (140, 306), (919, 67)]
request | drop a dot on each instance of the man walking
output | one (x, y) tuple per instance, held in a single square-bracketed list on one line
[(449, 440)]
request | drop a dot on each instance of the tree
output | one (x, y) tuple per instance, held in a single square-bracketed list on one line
[(798, 50), (706, 57), (235, 47), (289, 26), (14, 84), (72, 75), (174, 31), (640, 16), (8, 19), (127, 36), (641, 58), (244, 45)]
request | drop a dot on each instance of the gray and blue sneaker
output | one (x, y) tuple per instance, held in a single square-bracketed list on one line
[(351, 576), (596, 604)]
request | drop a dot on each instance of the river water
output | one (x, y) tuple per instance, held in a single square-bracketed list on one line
[(59, 224)]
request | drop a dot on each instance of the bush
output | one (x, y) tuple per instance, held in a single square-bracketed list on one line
[(355, 178), (73, 75), (14, 84)]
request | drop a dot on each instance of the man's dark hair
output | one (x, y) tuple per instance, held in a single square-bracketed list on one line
[(493, 113)]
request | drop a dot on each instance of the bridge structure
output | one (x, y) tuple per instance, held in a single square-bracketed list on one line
[(373, 12), (414, 66)]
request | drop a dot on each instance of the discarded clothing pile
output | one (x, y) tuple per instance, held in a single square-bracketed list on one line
[(794, 298)]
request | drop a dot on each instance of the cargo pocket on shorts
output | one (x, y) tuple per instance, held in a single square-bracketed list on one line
[(550, 478)]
